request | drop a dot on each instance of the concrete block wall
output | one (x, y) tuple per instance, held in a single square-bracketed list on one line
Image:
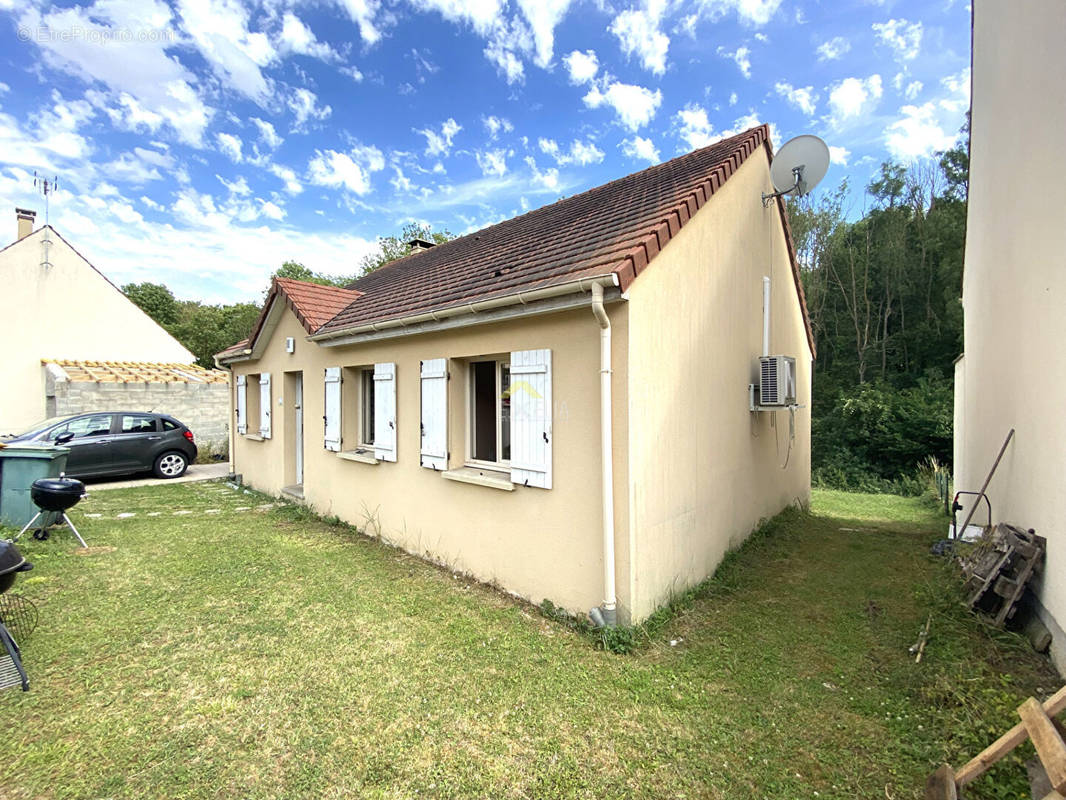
[(203, 407)]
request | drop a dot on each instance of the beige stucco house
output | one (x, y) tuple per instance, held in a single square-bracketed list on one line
[(56, 305), (1014, 283), (560, 403)]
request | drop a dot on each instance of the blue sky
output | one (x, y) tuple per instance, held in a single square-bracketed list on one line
[(201, 143)]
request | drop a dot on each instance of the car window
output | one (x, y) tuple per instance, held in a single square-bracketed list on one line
[(83, 427), (169, 426), (137, 423)]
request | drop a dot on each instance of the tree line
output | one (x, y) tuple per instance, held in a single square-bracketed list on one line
[(206, 329), (884, 296)]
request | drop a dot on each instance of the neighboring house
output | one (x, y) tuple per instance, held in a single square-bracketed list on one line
[(56, 305), (559, 403), (1014, 284)]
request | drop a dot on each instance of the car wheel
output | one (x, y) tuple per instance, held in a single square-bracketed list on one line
[(170, 465)]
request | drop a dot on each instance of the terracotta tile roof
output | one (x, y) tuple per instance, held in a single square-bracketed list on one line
[(313, 304), (616, 229), (137, 372), (233, 349)]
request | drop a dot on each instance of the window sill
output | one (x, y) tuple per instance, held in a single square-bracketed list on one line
[(480, 477), (356, 455), (254, 437)]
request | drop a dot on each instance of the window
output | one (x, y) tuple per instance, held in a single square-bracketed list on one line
[(490, 412), (83, 427), (169, 426), (366, 403), (138, 423)]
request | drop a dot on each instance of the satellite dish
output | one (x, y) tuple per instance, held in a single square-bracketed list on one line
[(798, 167)]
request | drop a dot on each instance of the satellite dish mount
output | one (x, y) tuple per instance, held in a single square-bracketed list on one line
[(798, 167)]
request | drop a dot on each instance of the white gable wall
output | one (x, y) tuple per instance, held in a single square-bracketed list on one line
[(703, 469), (66, 311), (1014, 284)]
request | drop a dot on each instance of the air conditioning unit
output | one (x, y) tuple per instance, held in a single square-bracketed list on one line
[(777, 381)]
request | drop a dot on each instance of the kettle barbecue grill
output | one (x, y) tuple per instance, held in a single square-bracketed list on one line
[(11, 670), (53, 496)]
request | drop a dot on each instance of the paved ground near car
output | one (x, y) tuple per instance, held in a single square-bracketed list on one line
[(195, 472)]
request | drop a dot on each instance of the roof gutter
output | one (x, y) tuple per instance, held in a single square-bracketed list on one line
[(352, 334)]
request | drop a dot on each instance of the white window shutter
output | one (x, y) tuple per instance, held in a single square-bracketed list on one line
[(385, 412), (435, 413), (242, 404), (531, 418), (332, 417), (264, 405)]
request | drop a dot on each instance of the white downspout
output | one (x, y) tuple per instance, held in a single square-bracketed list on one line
[(766, 315), (606, 614)]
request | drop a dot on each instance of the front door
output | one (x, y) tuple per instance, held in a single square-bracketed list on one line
[(298, 428)]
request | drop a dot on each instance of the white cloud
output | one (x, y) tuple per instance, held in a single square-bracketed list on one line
[(350, 171), (267, 134), (804, 99), (352, 72), (902, 36), (543, 16), (288, 177), (440, 144), (693, 126), (582, 66), (230, 145), (740, 58), (4, 88), (695, 129), (296, 37), (750, 12), (548, 179), (238, 187), (959, 87), (304, 105), (733, 98), (492, 162), (494, 125), (158, 92), (271, 210), (917, 133), (835, 48), (640, 149), (839, 155), (639, 35), (854, 97), (507, 42), (914, 88), (363, 13), (400, 182), (581, 153), (482, 15), (237, 55), (634, 105)]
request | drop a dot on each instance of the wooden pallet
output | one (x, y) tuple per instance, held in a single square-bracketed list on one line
[(1000, 571), (1039, 725)]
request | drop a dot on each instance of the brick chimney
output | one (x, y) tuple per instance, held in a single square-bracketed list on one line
[(25, 220)]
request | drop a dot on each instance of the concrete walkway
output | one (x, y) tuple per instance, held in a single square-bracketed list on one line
[(195, 472)]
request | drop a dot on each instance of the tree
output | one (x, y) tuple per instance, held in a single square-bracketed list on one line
[(155, 300), (391, 248), (297, 271)]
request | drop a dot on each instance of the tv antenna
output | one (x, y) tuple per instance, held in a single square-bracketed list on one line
[(45, 187), (798, 167)]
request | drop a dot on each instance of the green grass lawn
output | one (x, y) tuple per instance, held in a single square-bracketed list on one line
[(261, 653)]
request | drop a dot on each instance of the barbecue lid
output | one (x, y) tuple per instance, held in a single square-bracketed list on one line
[(11, 559)]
